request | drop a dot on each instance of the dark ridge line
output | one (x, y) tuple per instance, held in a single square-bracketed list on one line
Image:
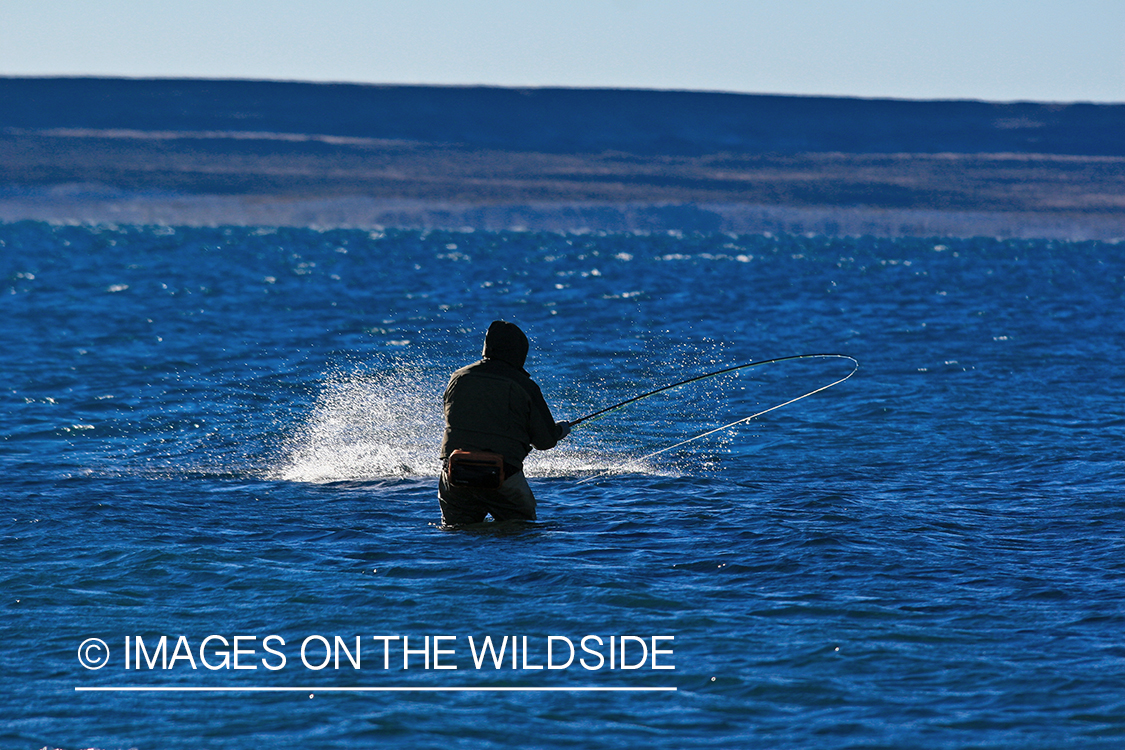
[(566, 120)]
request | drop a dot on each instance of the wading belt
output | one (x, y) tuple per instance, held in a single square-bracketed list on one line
[(480, 469)]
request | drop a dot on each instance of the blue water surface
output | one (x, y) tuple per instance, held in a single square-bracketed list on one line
[(233, 432)]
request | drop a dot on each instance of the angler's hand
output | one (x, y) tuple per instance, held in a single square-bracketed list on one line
[(564, 428)]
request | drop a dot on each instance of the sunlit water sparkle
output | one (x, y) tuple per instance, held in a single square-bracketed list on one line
[(225, 431)]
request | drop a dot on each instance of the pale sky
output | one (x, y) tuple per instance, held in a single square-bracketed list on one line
[(998, 50)]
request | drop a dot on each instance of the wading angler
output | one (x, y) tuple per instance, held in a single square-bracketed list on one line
[(494, 415)]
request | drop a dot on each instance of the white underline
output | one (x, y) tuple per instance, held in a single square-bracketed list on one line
[(311, 689)]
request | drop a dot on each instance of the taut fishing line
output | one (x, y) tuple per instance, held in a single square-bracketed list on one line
[(742, 420)]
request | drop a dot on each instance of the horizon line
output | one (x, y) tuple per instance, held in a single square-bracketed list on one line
[(550, 87)]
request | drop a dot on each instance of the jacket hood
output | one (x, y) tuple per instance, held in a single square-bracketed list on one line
[(506, 342)]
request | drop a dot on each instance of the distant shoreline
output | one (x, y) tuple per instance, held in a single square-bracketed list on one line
[(193, 152), (91, 206)]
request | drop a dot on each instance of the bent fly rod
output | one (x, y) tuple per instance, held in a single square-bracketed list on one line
[(747, 365), (855, 367)]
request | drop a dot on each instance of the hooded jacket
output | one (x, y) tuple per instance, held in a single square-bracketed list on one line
[(494, 405)]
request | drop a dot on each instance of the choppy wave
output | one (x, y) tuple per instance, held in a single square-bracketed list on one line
[(235, 431)]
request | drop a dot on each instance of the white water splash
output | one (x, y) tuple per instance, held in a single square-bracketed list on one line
[(573, 459), (383, 422)]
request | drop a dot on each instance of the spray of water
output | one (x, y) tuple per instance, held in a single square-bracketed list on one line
[(379, 421), (383, 420)]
